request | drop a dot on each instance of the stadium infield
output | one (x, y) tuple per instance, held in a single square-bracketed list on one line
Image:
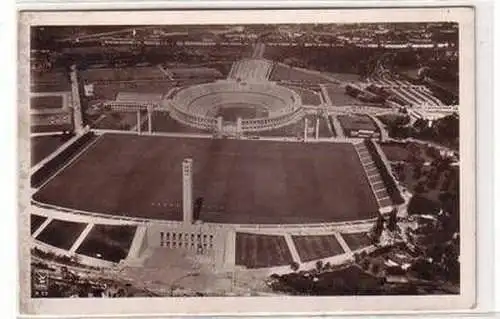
[(243, 182)]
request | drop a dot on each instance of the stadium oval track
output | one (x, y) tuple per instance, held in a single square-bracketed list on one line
[(283, 106)]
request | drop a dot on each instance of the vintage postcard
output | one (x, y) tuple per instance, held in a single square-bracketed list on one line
[(209, 162)]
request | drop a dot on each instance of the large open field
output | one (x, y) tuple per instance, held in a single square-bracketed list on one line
[(51, 81), (61, 233), (282, 72), (112, 242), (46, 102), (239, 181), (312, 247), (338, 96), (257, 251)]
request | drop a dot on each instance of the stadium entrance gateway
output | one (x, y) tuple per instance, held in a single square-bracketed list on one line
[(211, 243)]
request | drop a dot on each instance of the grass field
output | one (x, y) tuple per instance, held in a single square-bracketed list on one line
[(122, 74), (43, 146), (231, 111), (356, 240), (286, 73), (291, 130), (396, 152), (338, 96), (240, 181), (51, 128), (114, 120), (108, 91), (195, 72), (46, 102), (317, 247), (162, 122), (61, 233), (258, 251), (51, 81), (356, 122), (110, 241)]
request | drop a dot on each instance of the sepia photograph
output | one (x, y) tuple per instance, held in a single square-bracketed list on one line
[(245, 159)]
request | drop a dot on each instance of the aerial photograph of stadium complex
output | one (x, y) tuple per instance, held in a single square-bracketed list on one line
[(244, 160)]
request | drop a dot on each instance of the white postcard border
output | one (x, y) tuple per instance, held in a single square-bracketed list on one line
[(265, 305)]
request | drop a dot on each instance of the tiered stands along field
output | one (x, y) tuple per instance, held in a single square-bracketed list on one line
[(61, 233), (260, 251), (338, 96), (46, 102), (308, 97), (52, 81), (43, 146), (285, 73), (317, 246), (356, 241), (246, 181), (52, 166), (111, 242), (36, 221)]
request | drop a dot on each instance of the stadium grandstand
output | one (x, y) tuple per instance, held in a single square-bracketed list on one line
[(251, 70), (133, 101), (408, 93), (199, 104)]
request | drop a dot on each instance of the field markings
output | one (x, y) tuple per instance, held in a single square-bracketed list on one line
[(292, 248), (81, 237), (42, 227), (342, 243), (69, 163)]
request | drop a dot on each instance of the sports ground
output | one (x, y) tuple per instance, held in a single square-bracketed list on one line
[(239, 181)]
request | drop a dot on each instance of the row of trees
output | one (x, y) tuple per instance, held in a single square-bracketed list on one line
[(444, 131)]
